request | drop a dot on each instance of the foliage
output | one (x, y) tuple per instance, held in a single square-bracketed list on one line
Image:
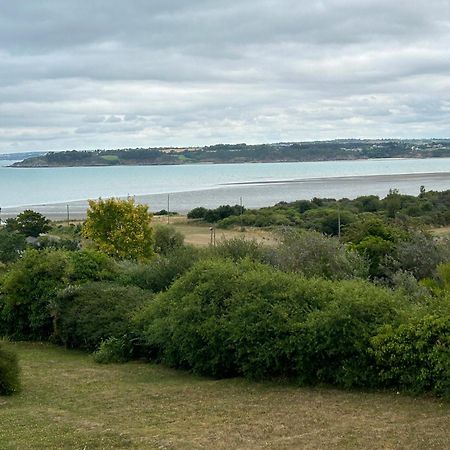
[(114, 350), (120, 228), (167, 239), (9, 372), (161, 271), (321, 214), (11, 245), (227, 319), (90, 313), (27, 289), (31, 285), (376, 240), (316, 255), (420, 254), (415, 356), (29, 223), (240, 248), (217, 214)]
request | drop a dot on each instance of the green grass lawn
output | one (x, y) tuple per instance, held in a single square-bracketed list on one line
[(69, 402)]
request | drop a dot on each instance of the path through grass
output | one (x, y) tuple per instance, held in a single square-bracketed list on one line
[(69, 402)]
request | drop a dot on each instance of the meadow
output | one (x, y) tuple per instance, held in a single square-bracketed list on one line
[(70, 402)]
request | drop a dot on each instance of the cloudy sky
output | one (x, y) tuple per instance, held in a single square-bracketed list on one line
[(114, 73)]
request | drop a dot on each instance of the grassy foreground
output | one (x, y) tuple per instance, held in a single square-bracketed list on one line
[(69, 402)]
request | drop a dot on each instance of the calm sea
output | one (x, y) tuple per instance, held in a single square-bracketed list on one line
[(210, 185)]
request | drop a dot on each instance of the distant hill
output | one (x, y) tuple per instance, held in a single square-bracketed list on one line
[(242, 153)]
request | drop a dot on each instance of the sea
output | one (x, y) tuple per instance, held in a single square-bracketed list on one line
[(181, 188)]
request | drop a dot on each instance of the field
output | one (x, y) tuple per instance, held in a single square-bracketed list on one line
[(199, 233), (69, 402)]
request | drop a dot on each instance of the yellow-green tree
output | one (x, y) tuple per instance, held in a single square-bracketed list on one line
[(120, 228)]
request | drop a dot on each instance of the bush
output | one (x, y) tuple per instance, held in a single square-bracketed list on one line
[(11, 245), (160, 273), (226, 319), (336, 338), (240, 248), (27, 290), (9, 373), (91, 313), (114, 350), (316, 255), (415, 356), (32, 283), (420, 254), (166, 239)]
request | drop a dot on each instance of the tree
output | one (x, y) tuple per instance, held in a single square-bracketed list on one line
[(120, 228), (29, 223)]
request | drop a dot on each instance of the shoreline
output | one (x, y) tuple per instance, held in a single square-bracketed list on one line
[(257, 194), (176, 163)]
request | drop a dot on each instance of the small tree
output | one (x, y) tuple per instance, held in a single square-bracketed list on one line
[(120, 228), (29, 223)]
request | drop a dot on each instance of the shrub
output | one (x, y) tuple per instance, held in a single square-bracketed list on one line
[(336, 338), (167, 239), (114, 350), (9, 373), (160, 273), (91, 313), (240, 248), (32, 283), (415, 356), (420, 254), (314, 254), (27, 289), (226, 319), (11, 245), (197, 213)]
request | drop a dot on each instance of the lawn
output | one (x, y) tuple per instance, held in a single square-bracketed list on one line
[(69, 402)]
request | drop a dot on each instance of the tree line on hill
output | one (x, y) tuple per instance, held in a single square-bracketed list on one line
[(243, 153)]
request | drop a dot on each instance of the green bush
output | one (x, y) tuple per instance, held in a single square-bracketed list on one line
[(159, 274), (415, 356), (316, 255), (11, 245), (9, 373), (166, 239), (240, 248), (32, 284), (227, 319), (114, 350), (336, 338), (88, 314), (26, 292)]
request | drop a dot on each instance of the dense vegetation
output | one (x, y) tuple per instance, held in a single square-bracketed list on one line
[(370, 308), (239, 153), (325, 214)]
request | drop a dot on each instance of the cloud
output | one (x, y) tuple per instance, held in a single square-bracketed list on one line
[(105, 74)]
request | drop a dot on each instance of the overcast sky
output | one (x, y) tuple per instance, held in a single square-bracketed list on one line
[(131, 73)]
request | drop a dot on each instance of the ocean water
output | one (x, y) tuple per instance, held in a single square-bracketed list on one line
[(260, 184)]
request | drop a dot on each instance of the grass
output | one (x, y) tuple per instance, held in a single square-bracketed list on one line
[(69, 402), (199, 233)]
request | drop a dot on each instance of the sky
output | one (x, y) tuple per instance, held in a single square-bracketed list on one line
[(146, 73)]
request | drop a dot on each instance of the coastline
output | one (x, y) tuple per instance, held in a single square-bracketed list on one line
[(189, 163), (258, 194)]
